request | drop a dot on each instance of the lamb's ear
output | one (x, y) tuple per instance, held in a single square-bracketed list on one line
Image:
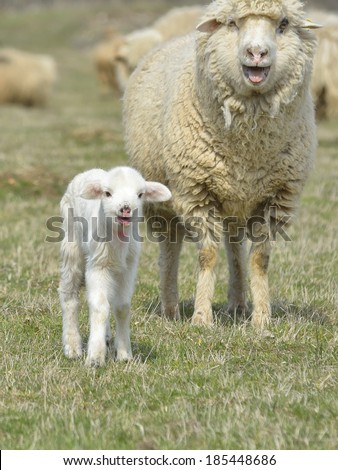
[(92, 190), (156, 192), (309, 24), (208, 26)]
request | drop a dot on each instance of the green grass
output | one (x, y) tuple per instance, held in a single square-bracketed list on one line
[(188, 387)]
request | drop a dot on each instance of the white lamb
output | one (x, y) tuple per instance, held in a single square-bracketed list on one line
[(224, 116), (101, 247)]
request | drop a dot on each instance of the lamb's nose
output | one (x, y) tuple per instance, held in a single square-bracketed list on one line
[(256, 54), (125, 209)]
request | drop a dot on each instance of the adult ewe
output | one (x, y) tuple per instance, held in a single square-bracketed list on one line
[(224, 117), (100, 209)]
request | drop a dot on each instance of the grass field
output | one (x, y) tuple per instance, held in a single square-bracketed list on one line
[(188, 387)]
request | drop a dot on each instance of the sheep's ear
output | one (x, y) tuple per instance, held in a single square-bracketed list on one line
[(309, 24), (92, 190), (156, 192), (208, 26)]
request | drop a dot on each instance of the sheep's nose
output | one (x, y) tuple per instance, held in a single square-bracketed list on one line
[(256, 54)]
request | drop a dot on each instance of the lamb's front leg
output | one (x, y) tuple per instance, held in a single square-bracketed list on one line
[(98, 287), (259, 262), (124, 287)]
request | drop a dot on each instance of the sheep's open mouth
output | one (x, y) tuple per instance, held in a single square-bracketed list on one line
[(256, 75), (123, 220)]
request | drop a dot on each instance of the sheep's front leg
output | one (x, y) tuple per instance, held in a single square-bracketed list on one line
[(98, 287), (207, 258), (259, 262)]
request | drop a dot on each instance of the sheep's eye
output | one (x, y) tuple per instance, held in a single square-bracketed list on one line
[(283, 25), (232, 23), (140, 195), (107, 194)]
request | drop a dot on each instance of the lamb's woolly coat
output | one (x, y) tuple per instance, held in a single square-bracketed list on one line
[(26, 78), (190, 124)]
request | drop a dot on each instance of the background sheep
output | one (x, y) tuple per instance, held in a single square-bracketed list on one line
[(25, 78), (107, 204), (228, 124), (324, 84), (116, 58)]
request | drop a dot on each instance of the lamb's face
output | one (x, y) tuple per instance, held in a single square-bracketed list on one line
[(122, 197), (256, 52), (123, 191)]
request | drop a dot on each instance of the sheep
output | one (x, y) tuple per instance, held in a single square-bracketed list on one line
[(324, 83), (116, 58), (100, 210), (227, 123), (25, 78)]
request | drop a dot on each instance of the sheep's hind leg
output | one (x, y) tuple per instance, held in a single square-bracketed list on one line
[(168, 263), (72, 274), (237, 259), (259, 262)]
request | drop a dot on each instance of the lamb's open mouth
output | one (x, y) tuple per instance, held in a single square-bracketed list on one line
[(256, 75), (124, 220)]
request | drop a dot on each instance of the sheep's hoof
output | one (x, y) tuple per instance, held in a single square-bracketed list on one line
[(260, 320), (236, 308), (171, 312), (202, 318)]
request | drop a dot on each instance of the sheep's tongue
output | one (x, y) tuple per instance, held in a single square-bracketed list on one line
[(256, 75)]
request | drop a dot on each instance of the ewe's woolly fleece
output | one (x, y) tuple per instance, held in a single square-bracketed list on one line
[(189, 127)]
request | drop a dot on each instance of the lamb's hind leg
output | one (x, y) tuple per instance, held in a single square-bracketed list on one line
[(72, 274), (170, 249)]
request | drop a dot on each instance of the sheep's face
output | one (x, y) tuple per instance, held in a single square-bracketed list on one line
[(254, 52), (122, 192)]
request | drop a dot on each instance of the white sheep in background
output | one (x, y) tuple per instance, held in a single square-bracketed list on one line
[(324, 85), (224, 117), (100, 247), (26, 78), (116, 58)]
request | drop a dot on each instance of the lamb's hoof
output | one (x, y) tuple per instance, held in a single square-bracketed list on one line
[(202, 318), (123, 356), (96, 357), (171, 312), (92, 361), (73, 351)]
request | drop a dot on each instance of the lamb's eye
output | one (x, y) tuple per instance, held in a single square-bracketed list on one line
[(140, 195), (283, 25), (107, 194)]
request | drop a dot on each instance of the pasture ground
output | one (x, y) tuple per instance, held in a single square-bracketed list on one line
[(188, 387)]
